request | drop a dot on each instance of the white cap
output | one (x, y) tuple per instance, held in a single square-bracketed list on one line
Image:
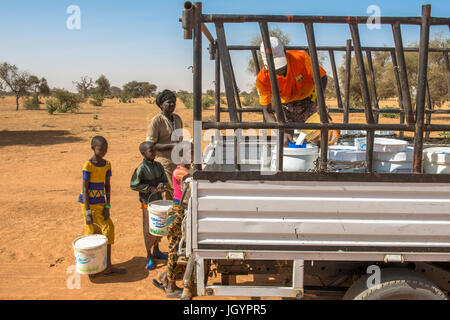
[(279, 56)]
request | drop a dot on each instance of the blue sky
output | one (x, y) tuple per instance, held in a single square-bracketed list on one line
[(143, 40)]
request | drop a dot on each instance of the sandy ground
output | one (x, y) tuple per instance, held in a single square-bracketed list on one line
[(41, 156)]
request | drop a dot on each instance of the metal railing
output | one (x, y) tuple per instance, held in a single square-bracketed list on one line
[(193, 21)]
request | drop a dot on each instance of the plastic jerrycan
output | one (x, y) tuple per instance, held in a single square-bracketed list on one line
[(309, 135)]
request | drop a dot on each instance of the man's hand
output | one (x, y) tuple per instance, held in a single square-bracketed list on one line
[(106, 213)]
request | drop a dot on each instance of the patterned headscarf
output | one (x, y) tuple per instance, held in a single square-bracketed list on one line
[(164, 96)]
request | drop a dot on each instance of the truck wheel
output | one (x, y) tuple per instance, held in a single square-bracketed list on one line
[(396, 284)]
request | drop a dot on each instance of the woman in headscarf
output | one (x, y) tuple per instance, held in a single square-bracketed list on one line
[(160, 132)]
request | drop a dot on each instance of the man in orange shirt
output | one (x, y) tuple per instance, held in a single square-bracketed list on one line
[(296, 84)]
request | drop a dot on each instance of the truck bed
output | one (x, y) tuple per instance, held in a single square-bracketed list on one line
[(339, 217)]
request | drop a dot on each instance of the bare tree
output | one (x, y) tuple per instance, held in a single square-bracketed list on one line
[(17, 81), (84, 85)]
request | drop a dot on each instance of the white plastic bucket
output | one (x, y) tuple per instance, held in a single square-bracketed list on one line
[(383, 145), (297, 159), (436, 160), (395, 156), (90, 253), (157, 216), (392, 167), (345, 153)]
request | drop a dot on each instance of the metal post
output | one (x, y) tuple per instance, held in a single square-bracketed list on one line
[(348, 71), (372, 83), (365, 95), (256, 62), (399, 89), (430, 107), (197, 83), (236, 91), (402, 72), (226, 70), (320, 94), (421, 87), (447, 66), (217, 86), (336, 78), (276, 99)]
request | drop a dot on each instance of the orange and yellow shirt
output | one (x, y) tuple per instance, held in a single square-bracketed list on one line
[(298, 84)]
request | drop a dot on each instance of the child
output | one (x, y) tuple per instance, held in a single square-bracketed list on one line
[(149, 180), (174, 222), (96, 183)]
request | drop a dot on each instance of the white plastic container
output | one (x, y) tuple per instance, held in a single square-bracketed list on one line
[(90, 253), (407, 155), (392, 167), (383, 145), (297, 159), (157, 216), (436, 160), (345, 153)]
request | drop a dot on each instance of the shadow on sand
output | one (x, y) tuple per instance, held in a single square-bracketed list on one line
[(36, 137), (135, 272)]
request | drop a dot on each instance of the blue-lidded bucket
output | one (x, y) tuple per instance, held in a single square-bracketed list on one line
[(293, 145)]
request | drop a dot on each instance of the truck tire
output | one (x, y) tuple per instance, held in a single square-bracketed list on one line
[(396, 284)]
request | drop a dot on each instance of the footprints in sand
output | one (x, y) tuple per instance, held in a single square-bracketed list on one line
[(58, 261)]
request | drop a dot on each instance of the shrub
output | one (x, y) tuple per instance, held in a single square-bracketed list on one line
[(207, 102), (97, 100), (52, 105), (187, 99), (444, 134), (250, 100), (124, 98), (64, 101), (389, 115), (31, 103)]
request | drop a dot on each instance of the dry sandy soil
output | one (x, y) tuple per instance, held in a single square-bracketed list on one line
[(41, 157)]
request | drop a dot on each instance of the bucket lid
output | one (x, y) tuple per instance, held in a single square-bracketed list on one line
[(439, 155), (90, 241), (160, 205)]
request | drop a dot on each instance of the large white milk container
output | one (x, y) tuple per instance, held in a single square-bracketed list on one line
[(157, 216), (90, 253)]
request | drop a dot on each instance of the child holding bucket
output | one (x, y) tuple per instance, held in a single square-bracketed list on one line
[(95, 207), (149, 179), (175, 218)]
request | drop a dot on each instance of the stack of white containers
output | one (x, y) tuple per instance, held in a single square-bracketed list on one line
[(347, 158), (390, 155), (436, 160)]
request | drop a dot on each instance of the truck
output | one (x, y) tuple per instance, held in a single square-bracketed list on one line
[(296, 235)]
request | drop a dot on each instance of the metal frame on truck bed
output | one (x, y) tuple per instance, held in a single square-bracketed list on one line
[(245, 217)]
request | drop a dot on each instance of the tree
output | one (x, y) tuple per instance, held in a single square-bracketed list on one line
[(135, 89), (44, 89), (147, 89), (115, 91), (103, 86), (83, 86), (385, 78), (17, 81)]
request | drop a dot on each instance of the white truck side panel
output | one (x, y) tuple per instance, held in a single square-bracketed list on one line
[(322, 214)]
